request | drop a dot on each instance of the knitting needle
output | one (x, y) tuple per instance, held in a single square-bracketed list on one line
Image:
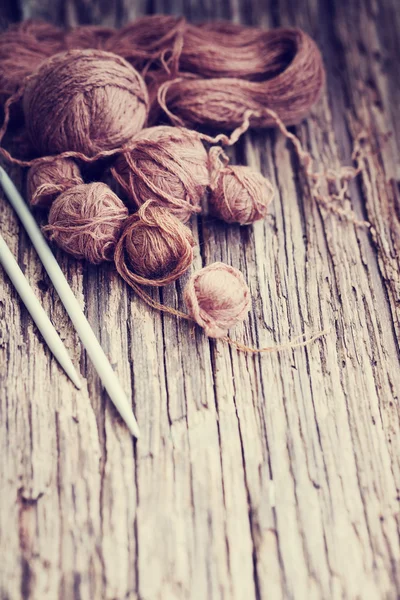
[(37, 312), (85, 332)]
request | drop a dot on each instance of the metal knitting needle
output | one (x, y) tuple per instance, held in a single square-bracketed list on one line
[(37, 312), (85, 332)]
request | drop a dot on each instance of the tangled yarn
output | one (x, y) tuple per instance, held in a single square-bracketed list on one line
[(47, 181), (86, 221), (84, 100), (217, 297), (167, 165), (155, 247)]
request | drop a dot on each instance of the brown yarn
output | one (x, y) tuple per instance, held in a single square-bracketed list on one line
[(321, 183), (155, 248), (205, 298), (150, 43), (85, 37), (239, 194), (280, 69), (86, 221), (84, 100), (199, 75), (297, 342), (168, 165), (23, 47), (47, 181), (217, 297)]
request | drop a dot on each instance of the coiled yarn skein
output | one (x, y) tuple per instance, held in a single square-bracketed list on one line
[(86, 221), (86, 101), (168, 165), (279, 69)]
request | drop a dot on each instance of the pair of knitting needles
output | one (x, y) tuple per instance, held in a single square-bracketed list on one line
[(85, 332)]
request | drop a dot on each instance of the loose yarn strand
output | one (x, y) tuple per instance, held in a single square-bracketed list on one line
[(236, 133), (291, 345), (288, 346), (162, 101), (345, 175)]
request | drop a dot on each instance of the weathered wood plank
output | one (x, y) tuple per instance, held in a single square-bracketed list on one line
[(268, 477)]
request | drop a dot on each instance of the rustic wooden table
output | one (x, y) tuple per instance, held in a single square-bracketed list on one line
[(268, 477)]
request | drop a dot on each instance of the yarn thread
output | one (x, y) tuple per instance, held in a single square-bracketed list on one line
[(217, 297), (86, 221), (47, 181), (84, 100), (217, 75), (239, 194), (203, 75), (166, 164), (155, 248)]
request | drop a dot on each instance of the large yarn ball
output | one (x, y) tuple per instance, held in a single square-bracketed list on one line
[(217, 297), (240, 195), (86, 221), (168, 165), (155, 247), (84, 100), (46, 181)]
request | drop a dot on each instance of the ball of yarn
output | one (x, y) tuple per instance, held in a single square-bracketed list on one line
[(155, 247), (240, 195), (88, 101), (86, 221), (167, 165), (46, 181), (217, 297)]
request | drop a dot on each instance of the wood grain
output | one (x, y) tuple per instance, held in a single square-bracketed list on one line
[(267, 477)]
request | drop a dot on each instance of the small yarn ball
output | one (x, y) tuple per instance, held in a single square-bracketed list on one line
[(240, 195), (167, 165), (86, 221), (87, 101), (155, 247), (46, 181), (217, 297)]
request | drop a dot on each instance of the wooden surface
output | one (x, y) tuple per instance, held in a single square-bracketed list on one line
[(255, 478)]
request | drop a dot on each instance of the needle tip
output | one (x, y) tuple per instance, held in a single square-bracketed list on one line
[(73, 375), (133, 428)]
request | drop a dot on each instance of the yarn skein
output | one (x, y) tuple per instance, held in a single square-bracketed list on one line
[(289, 83), (168, 165), (86, 221), (217, 297), (47, 181), (86, 101), (155, 248)]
